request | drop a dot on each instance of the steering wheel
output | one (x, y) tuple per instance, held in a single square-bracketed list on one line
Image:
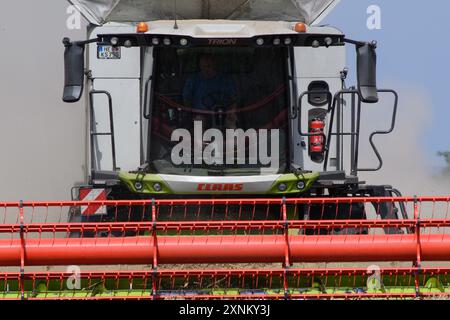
[(216, 99)]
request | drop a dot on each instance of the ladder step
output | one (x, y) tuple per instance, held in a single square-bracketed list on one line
[(101, 133), (345, 134)]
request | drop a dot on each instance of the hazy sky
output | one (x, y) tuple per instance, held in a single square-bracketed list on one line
[(413, 51), (41, 138)]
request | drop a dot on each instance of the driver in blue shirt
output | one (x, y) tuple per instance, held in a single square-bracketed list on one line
[(209, 90)]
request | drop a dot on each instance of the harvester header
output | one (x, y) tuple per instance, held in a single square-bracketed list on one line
[(213, 236)]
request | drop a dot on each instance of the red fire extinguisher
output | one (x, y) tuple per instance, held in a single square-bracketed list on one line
[(317, 140)]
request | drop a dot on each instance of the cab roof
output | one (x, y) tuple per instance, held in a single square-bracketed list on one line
[(99, 12)]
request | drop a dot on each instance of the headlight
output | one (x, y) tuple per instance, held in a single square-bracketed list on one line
[(127, 44), (138, 185), (184, 42), (114, 41), (301, 185), (157, 187), (282, 187)]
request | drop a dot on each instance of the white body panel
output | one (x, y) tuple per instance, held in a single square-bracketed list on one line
[(121, 78), (251, 184), (315, 64), (126, 114)]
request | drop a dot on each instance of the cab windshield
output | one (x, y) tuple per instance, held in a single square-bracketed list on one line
[(219, 111)]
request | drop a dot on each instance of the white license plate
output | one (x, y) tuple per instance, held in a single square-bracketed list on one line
[(108, 52)]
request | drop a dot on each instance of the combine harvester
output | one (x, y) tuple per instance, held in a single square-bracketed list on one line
[(163, 78)]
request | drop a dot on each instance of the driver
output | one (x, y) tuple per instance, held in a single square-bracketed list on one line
[(208, 90)]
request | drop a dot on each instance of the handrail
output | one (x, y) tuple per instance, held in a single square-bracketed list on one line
[(111, 124)]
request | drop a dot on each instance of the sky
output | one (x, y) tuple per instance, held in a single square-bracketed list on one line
[(41, 138), (413, 52)]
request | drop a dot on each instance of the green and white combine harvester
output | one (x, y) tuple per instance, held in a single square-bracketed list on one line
[(158, 117)]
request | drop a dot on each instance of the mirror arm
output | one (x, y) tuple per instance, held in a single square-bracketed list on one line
[(357, 43), (67, 43)]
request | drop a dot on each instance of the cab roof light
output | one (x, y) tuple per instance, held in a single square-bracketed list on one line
[(300, 27), (142, 27), (114, 41), (184, 41), (155, 41)]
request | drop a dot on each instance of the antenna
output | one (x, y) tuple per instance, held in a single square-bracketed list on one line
[(176, 15)]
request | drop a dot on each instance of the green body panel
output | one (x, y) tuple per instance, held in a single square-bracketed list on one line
[(291, 180), (148, 180), (109, 288)]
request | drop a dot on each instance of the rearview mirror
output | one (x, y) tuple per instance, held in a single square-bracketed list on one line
[(73, 70), (367, 72)]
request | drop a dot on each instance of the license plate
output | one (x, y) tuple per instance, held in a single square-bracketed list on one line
[(108, 52)]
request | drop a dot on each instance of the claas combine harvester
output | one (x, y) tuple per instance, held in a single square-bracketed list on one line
[(223, 133)]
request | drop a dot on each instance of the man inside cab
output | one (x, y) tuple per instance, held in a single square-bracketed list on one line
[(211, 94)]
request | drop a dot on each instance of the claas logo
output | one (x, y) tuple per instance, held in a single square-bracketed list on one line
[(220, 187)]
